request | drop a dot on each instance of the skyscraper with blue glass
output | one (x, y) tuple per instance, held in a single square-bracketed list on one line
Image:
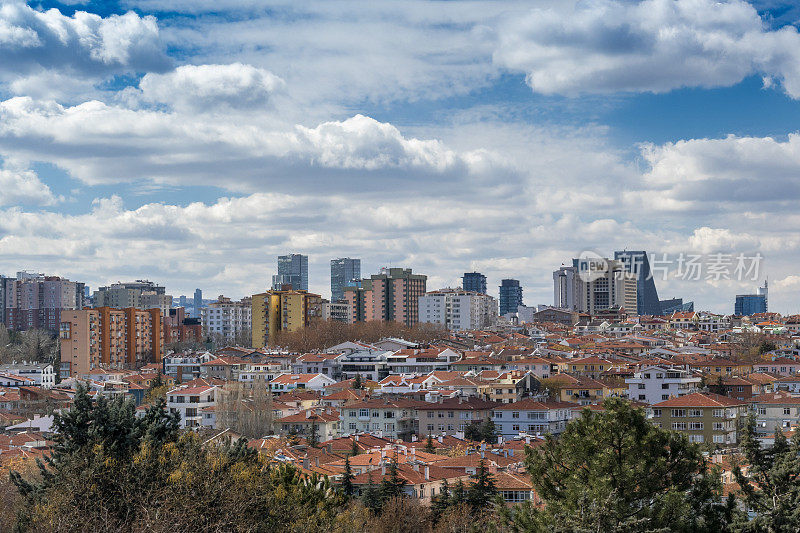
[(474, 282)]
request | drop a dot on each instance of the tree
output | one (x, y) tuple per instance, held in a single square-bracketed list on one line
[(483, 490), (392, 485), (441, 502), (357, 384), (372, 496), (483, 430), (347, 479), (771, 487), (766, 346), (354, 449), (614, 470), (313, 435), (429, 445)]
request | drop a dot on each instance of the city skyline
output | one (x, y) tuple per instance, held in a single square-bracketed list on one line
[(191, 141)]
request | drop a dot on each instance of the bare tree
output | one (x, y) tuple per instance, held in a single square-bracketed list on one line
[(247, 412)]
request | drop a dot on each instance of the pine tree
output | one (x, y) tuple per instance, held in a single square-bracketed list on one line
[(357, 382), (392, 486), (313, 436), (429, 445), (441, 502), (488, 431), (771, 489), (347, 479), (483, 491), (372, 496), (354, 449), (459, 494)]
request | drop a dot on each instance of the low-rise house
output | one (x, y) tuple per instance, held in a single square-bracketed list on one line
[(781, 366), (322, 422), (452, 415), (539, 367), (421, 360), (422, 482), (369, 364), (777, 410), (530, 416), (289, 382), (656, 383), (581, 390), (339, 398), (721, 367), (224, 367), (329, 364), (11, 380), (189, 402), (704, 417), (185, 367), (41, 374), (591, 367), (508, 387), (733, 386)]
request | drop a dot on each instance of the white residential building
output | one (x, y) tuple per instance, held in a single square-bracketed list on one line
[(227, 318), (391, 419), (529, 416), (42, 374), (653, 384), (458, 310), (289, 382), (421, 360), (190, 403)]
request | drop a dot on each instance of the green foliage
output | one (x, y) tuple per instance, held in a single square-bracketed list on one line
[(481, 431), (357, 384), (347, 479), (354, 449), (483, 491), (392, 486), (771, 489), (614, 471), (766, 346), (112, 471), (429, 445), (371, 497)]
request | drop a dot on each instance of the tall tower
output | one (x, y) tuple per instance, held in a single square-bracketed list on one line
[(344, 272), (636, 263), (198, 302), (510, 296), (292, 270), (474, 282)]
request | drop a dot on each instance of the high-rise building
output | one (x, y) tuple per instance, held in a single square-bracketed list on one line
[(110, 338), (603, 285), (458, 310), (281, 310), (228, 318), (3, 281), (675, 305), (344, 272), (36, 301), (392, 295), (292, 270), (565, 288), (198, 303), (474, 282), (637, 263), (510, 296), (141, 294), (750, 304)]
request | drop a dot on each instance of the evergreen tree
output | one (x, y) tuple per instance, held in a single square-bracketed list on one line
[(441, 502), (429, 445), (771, 488), (347, 479), (614, 470), (459, 494), (392, 486), (357, 382), (313, 436), (372, 496), (354, 449), (483, 490), (488, 431), (473, 431)]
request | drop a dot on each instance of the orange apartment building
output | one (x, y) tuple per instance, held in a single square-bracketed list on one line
[(392, 295), (111, 338)]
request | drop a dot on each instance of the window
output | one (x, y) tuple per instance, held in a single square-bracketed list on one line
[(665, 396), (430, 427), (695, 413), (678, 413), (719, 413), (450, 414), (762, 410), (719, 426), (657, 412), (642, 397), (515, 427), (363, 412), (665, 385), (353, 413), (696, 438), (787, 410), (695, 426), (678, 425), (719, 439)]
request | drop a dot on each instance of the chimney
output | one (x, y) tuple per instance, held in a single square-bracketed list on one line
[(305, 461), (441, 439), (316, 461), (427, 473), (383, 469)]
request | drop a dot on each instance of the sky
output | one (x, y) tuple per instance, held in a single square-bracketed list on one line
[(190, 142)]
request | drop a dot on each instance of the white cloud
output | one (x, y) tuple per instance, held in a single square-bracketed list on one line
[(207, 87), (85, 43), (23, 186), (605, 46)]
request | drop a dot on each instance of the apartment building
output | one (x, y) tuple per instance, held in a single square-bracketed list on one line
[(329, 364), (392, 295), (281, 310), (656, 383), (36, 301), (532, 417), (704, 417), (228, 318), (190, 403), (289, 382), (323, 422), (421, 360), (388, 418), (452, 415), (594, 285), (140, 294), (775, 411), (111, 338), (458, 310), (41, 374)]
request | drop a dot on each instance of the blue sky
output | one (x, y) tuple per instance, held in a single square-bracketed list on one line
[(193, 141)]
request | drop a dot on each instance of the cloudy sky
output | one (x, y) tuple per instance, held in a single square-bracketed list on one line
[(192, 141)]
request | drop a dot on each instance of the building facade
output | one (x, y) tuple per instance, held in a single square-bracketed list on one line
[(36, 301), (228, 318), (704, 417), (458, 310), (510, 296), (337, 311), (292, 270), (532, 417), (750, 304), (281, 310), (653, 384), (111, 338), (637, 263), (392, 295), (345, 271), (474, 282), (140, 294)]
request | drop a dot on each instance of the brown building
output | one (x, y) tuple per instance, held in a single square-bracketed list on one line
[(110, 338), (704, 417), (36, 301), (180, 328), (392, 295)]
